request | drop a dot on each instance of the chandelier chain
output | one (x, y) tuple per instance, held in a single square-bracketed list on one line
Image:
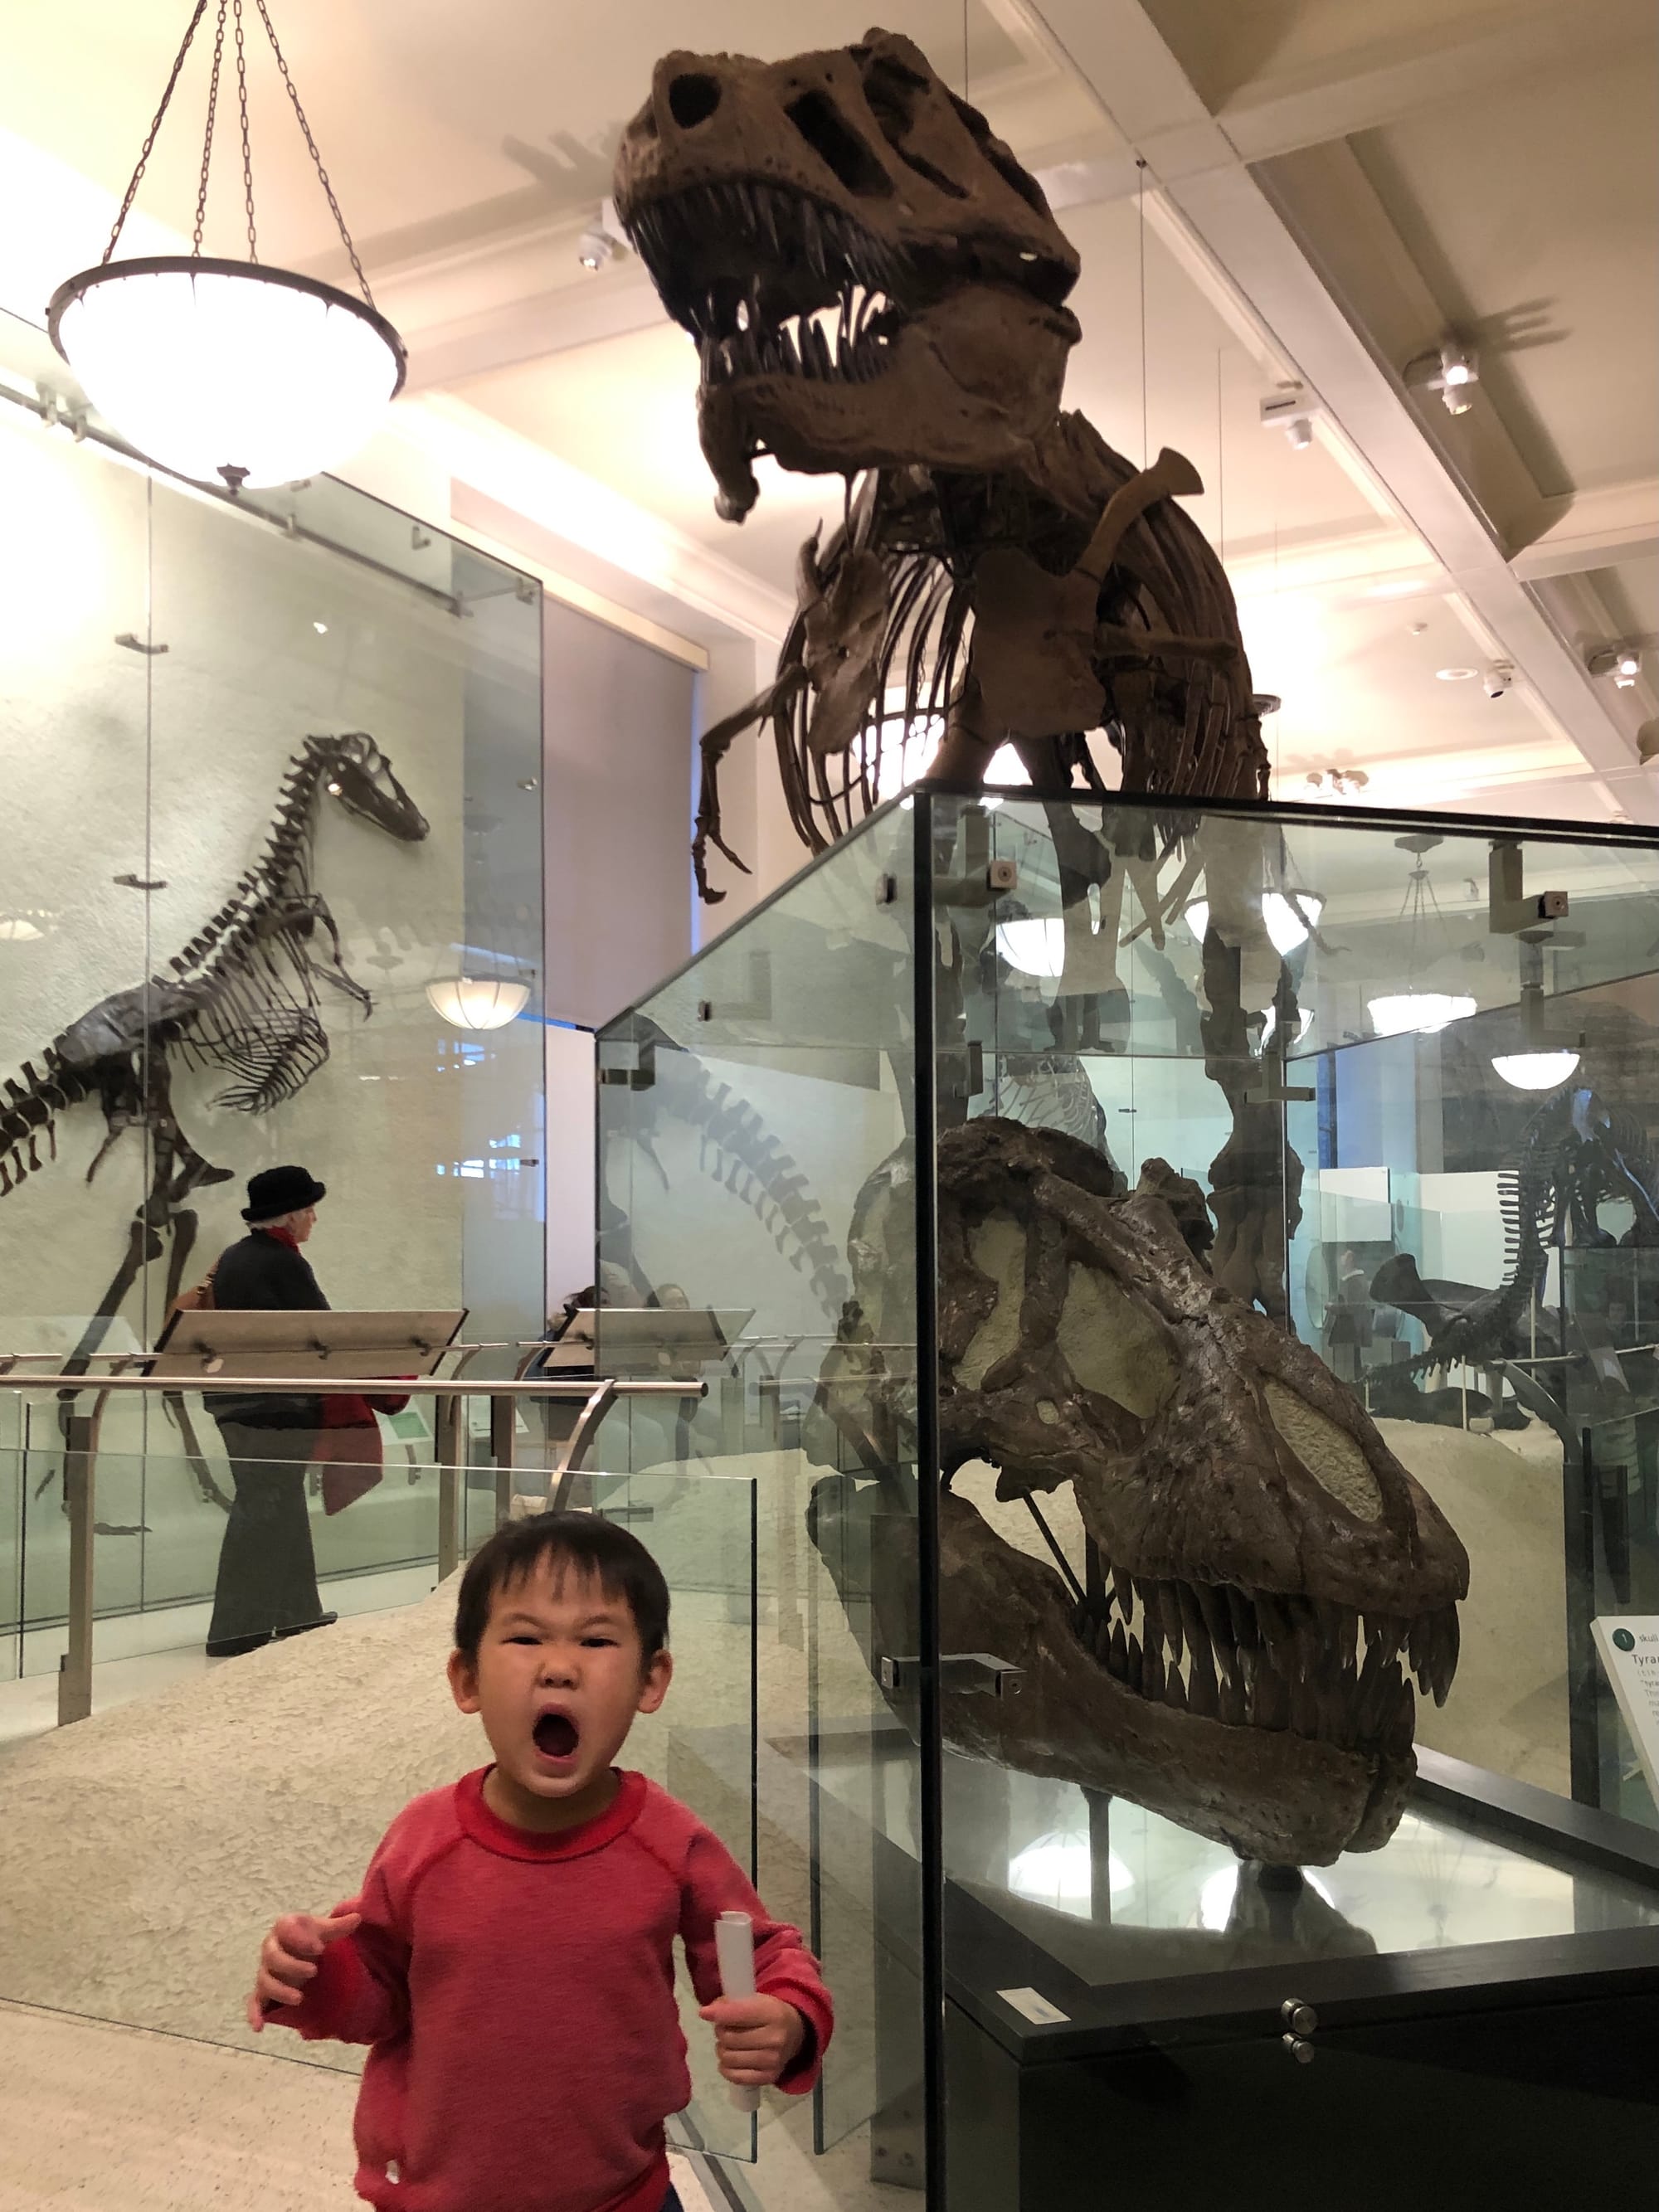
[(317, 158), (149, 147), (206, 135), (149, 142), (247, 149)]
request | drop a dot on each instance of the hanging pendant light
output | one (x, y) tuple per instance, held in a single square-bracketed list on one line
[(478, 1002), (227, 371), (1410, 1011)]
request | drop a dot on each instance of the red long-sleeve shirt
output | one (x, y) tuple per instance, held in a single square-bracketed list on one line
[(518, 1992)]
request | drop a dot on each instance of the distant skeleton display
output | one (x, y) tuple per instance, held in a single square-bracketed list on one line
[(243, 995)]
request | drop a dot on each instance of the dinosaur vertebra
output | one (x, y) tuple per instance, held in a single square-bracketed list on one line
[(876, 285), (1268, 1576)]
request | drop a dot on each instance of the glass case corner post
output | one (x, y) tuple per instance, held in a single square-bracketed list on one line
[(925, 962)]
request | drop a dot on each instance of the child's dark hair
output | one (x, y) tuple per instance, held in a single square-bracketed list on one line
[(581, 1542)]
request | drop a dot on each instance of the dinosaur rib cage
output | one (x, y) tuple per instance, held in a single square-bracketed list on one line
[(1179, 723)]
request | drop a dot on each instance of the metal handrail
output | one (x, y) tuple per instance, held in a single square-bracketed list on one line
[(596, 1396)]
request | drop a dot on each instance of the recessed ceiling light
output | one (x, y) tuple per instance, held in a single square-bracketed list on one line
[(321, 629), (1456, 675)]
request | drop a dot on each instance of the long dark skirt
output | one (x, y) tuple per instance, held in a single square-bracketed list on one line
[(267, 1573)]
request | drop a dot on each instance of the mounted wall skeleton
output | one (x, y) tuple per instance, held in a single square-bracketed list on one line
[(243, 995)]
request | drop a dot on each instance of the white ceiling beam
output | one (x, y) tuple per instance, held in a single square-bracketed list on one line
[(1251, 249), (1593, 529)]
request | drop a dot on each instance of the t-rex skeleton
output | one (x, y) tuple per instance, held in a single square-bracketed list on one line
[(242, 995), (876, 288)]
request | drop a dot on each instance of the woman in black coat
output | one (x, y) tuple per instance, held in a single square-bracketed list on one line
[(267, 1581)]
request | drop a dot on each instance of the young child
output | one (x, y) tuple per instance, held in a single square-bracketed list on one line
[(510, 1957)]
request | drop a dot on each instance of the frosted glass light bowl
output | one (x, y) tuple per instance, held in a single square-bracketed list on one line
[(1034, 944), (1287, 929), (226, 371), (475, 1002), (1402, 1014), (1535, 1071)]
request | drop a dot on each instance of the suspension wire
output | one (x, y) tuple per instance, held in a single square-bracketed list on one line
[(248, 150), (149, 143), (1140, 210), (206, 135), (317, 158)]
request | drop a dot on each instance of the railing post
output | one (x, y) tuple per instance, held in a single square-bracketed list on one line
[(451, 1440), (504, 1449), (80, 1495)]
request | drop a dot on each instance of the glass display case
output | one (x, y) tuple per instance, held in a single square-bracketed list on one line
[(175, 666), (1180, 1280)]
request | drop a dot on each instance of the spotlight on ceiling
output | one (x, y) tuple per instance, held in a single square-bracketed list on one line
[(1451, 369), (1293, 413), (1498, 678), (1622, 662), (603, 240)]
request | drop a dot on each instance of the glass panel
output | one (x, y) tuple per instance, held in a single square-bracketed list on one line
[(1176, 1574), (108, 1819), (276, 762), (755, 1163)]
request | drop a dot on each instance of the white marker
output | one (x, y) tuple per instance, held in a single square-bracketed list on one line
[(734, 1952)]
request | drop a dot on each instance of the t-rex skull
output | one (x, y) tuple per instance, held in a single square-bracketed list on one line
[(1270, 1574), (873, 278)]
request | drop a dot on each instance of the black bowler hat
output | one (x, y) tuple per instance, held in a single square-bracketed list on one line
[(281, 1190)]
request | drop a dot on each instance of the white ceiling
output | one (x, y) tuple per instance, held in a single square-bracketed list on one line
[(1334, 184)]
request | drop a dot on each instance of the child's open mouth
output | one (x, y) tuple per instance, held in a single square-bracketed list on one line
[(557, 1736)]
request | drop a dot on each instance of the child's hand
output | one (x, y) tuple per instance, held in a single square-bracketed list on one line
[(287, 1956), (755, 2038)]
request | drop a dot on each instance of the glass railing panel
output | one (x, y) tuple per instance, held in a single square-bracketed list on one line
[(211, 1778)]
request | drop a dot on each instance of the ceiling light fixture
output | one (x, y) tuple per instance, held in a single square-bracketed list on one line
[(1034, 944), (1412, 1012), (475, 1002), (1287, 928), (228, 371), (1455, 674), (603, 240), (1451, 369), (1293, 413), (1535, 1071), (1622, 662), (1400, 1013)]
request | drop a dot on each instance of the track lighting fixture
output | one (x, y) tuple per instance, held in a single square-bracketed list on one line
[(1451, 369), (1622, 662), (1293, 413), (603, 240)]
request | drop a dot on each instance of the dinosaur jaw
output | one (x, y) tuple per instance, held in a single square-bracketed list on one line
[(1276, 1724), (836, 350)]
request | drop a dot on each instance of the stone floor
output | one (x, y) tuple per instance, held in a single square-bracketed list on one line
[(101, 2118)]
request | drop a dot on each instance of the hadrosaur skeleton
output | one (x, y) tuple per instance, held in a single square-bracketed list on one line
[(876, 288), (242, 995)]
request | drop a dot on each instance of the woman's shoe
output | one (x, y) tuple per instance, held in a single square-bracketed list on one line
[(232, 1647), (303, 1627)]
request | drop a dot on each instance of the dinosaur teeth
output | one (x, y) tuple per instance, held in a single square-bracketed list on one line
[(1269, 1660)]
